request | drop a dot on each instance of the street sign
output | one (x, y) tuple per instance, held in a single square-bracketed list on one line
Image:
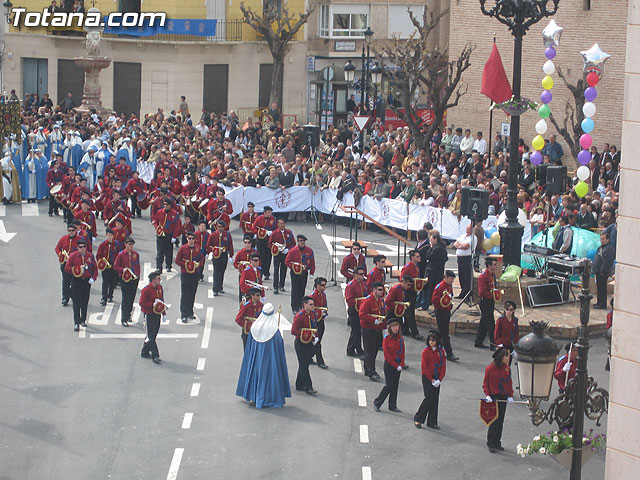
[(505, 129), (361, 121)]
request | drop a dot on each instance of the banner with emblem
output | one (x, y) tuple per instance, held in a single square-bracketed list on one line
[(172, 26)]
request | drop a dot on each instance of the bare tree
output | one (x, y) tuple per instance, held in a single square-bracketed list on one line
[(417, 69), (277, 26), (571, 129)]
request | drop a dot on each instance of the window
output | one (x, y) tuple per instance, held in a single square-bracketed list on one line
[(400, 24), (338, 20)]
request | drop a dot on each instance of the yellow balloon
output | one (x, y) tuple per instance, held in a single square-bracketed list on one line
[(495, 238), (547, 83), (487, 244), (538, 142), (581, 189)]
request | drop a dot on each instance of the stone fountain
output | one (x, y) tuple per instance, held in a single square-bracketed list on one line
[(92, 63)]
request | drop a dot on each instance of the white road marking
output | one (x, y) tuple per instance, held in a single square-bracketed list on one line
[(195, 390), (175, 464), (364, 434), (30, 210), (318, 226), (200, 365), (186, 421), (207, 328), (210, 267), (210, 279), (147, 269), (362, 398), (209, 293), (4, 235), (366, 473), (82, 333), (101, 318), (172, 336), (198, 306), (357, 365), (3, 210)]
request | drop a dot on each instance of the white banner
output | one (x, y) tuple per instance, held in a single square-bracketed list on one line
[(293, 199)]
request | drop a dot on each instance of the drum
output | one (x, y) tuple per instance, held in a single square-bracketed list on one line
[(57, 193), (202, 206), (143, 201)]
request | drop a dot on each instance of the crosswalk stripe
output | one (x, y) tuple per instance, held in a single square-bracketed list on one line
[(30, 210)]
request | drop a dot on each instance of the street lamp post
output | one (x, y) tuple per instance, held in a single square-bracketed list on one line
[(518, 15), (376, 78), (364, 88)]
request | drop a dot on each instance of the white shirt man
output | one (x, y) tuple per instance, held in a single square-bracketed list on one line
[(480, 144), (466, 144)]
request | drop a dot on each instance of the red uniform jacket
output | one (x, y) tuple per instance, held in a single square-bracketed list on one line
[(135, 187), (123, 172), (187, 228), (201, 240), (368, 307), (108, 251), (219, 210), (283, 238), (320, 300), (355, 290), (112, 207), (75, 260), (76, 194), (304, 256), (506, 332), (349, 263), (169, 221), (218, 240), (376, 275), (246, 221), (203, 191), (410, 269), (148, 297), (497, 380), (252, 275), (442, 295), (560, 375), (67, 244), (54, 177), (486, 285), (393, 348), (119, 235), (243, 256), (189, 189), (262, 225), (396, 294), (124, 260), (250, 310), (89, 220), (304, 320), (186, 253), (434, 363)]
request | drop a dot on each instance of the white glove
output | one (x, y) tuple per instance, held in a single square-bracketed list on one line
[(399, 368), (269, 232), (377, 321), (230, 260), (567, 367), (488, 399), (510, 400), (316, 340), (94, 239), (91, 280), (210, 255), (156, 301), (285, 251), (435, 383)]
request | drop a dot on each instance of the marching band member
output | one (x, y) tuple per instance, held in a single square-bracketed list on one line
[(320, 307), (120, 232), (167, 224), (434, 367), (82, 267), (135, 187), (394, 301), (220, 246), (442, 300), (301, 262), (566, 367), (247, 218), (377, 273), (189, 258), (64, 248), (152, 305), (251, 276), (354, 259), (105, 259), (305, 329), (187, 227), (54, 177), (507, 332), (372, 321), (202, 237), (355, 292), (280, 242), (262, 228), (497, 385), (87, 218), (220, 209), (488, 296), (393, 348), (412, 269), (249, 312), (127, 265)]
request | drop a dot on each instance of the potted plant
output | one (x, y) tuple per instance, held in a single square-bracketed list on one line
[(560, 446)]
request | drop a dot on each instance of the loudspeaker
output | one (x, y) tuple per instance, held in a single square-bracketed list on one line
[(556, 177), (311, 136), (541, 173), (564, 284), (478, 204), (544, 295), (464, 201)]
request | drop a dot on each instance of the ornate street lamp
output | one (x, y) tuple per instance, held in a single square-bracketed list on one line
[(518, 16), (8, 6), (376, 78), (364, 87), (349, 72)]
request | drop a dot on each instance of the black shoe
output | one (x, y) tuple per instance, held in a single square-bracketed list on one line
[(184, 319), (168, 270), (374, 377), (434, 427), (417, 424), (452, 358), (215, 294), (311, 391), (76, 328), (266, 276), (65, 302), (300, 389), (145, 354), (395, 409), (103, 302), (417, 336), (352, 354), (201, 280), (83, 324), (323, 366), (501, 448), (110, 299), (480, 345), (282, 289), (124, 323), (493, 450), (51, 214), (376, 407), (275, 291), (192, 316), (405, 367), (156, 360), (222, 290)]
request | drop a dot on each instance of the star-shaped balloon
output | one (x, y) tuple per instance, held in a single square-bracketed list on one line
[(551, 34), (594, 60)]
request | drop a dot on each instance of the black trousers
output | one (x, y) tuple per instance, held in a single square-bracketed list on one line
[(265, 256), (129, 290), (428, 410), (298, 287), (372, 340), (279, 270), (304, 352), (164, 249), (487, 323), (601, 289), (442, 318), (68, 214), (219, 267), (66, 282), (410, 326), (109, 283), (390, 389), (244, 337), (153, 326), (135, 209), (494, 434), (53, 205), (355, 337), (80, 290), (464, 274), (318, 346), (188, 289)]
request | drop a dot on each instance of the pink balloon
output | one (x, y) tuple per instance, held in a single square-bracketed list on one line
[(586, 141)]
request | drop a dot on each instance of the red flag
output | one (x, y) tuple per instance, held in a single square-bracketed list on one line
[(495, 83)]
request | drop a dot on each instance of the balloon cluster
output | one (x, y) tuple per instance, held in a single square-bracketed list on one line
[(491, 241), (551, 39), (594, 60)]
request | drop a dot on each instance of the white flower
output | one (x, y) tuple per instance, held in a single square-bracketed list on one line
[(536, 438), (542, 450), (555, 438), (519, 450)]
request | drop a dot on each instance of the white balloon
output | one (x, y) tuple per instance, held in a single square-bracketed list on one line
[(589, 109), (583, 172), (549, 67), (541, 127)]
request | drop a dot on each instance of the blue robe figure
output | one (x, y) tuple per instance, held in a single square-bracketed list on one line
[(102, 158), (76, 151), (24, 146), (88, 166), (127, 151), (41, 141), (264, 378), (55, 141), (30, 176)]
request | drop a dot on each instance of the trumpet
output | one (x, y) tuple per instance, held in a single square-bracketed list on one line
[(244, 262), (63, 257), (406, 304), (256, 285), (378, 316), (321, 308), (166, 305), (133, 275)]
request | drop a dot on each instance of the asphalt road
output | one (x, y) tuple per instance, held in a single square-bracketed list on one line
[(86, 406)]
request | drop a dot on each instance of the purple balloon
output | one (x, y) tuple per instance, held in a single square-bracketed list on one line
[(590, 94), (546, 96), (584, 157), (536, 158), (550, 53)]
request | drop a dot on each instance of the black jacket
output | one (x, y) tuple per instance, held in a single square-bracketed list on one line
[(436, 260)]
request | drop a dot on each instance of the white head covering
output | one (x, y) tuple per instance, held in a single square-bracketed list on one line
[(267, 324)]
